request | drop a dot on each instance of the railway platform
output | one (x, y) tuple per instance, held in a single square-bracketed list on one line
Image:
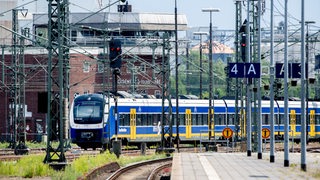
[(218, 165)]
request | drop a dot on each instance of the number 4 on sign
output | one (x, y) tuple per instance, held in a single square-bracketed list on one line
[(236, 70)]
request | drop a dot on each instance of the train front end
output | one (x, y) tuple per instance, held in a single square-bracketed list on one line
[(88, 121)]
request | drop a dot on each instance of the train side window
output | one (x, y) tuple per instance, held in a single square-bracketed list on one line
[(198, 119), (173, 118), (121, 119), (201, 121), (124, 119), (144, 119), (298, 118), (275, 119), (317, 119), (149, 120), (194, 119), (155, 119), (219, 119), (216, 119), (265, 119), (231, 119), (138, 120), (205, 119), (281, 120), (182, 119)]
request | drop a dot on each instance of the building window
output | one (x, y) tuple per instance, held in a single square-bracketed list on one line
[(100, 67), (142, 67), (86, 66)]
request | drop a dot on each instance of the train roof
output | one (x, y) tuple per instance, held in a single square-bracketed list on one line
[(198, 102)]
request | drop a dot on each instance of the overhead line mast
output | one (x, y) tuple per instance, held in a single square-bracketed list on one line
[(58, 93)]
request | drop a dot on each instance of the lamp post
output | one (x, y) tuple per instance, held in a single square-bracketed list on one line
[(211, 104), (200, 49), (307, 76)]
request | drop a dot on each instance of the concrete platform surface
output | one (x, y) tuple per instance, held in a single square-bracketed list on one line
[(216, 165)]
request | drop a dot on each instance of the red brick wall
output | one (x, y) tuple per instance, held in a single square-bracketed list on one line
[(80, 82)]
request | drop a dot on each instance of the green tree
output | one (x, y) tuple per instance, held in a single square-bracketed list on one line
[(193, 74)]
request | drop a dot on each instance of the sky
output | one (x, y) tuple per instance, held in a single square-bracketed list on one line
[(225, 19)]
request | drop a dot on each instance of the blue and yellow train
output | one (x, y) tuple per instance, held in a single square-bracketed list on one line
[(92, 120)]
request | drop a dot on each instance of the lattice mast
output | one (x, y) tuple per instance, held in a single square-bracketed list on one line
[(166, 118), (58, 80)]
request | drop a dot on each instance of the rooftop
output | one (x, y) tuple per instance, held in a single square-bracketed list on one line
[(130, 21)]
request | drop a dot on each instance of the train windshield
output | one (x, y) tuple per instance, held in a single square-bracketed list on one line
[(88, 112)]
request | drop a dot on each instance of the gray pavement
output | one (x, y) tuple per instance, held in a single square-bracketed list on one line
[(216, 165)]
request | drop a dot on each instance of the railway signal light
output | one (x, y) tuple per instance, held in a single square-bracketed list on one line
[(243, 47), (115, 53), (243, 41)]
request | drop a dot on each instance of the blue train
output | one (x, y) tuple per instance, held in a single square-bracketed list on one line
[(92, 120)]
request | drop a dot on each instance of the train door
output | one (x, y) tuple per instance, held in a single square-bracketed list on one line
[(312, 123), (188, 123), (133, 118), (243, 123), (293, 122), (211, 121)]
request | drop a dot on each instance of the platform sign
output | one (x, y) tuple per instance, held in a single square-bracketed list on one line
[(294, 70), (236, 70), (227, 133), (265, 133), (244, 70)]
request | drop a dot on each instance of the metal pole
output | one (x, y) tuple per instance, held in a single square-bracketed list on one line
[(259, 82), (248, 102), (177, 79), (211, 101), (187, 68), (3, 64), (307, 78), (200, 93), (272, 149), (286, 114), (303, 118), (115, 86), (211, 105), (237, 117)]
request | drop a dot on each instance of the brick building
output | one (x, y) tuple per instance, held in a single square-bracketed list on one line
[(141, 37)]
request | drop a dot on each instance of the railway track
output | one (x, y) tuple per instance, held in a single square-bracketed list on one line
[(144, 170), (7, 151), (8, 154)]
